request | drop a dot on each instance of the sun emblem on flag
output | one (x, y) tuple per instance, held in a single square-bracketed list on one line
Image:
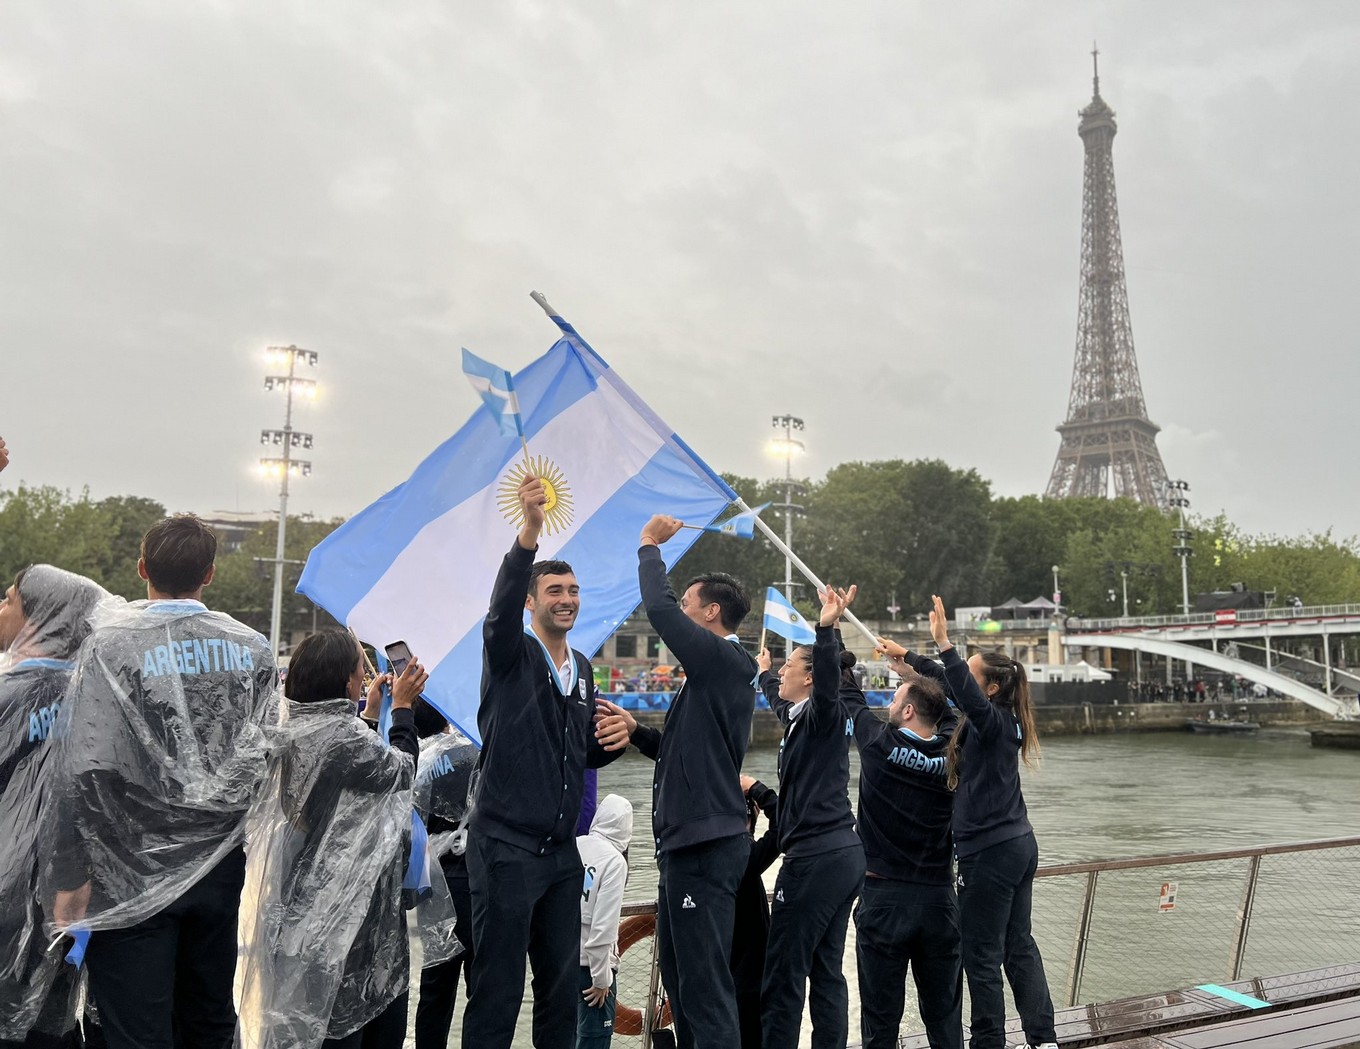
[(558, 508), (793, 616)]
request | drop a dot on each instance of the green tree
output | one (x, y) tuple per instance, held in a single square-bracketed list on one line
[(96, 539), (753, 561), (243, 585), (1031, 536), (1317, 568), (126, 519), (910, 528)]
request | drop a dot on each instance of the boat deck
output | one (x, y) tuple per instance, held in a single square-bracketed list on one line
[(1317, 1008)]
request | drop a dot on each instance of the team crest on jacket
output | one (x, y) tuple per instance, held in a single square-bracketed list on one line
[(581, 685)]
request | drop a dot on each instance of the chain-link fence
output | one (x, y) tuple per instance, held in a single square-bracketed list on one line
[(1120, 928)]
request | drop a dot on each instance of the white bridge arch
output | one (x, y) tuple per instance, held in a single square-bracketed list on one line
[(1156, 646)]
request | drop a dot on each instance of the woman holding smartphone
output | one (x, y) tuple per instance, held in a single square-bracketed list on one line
[(994, 842)]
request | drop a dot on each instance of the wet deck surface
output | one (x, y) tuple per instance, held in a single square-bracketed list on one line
[(1296, 1011)]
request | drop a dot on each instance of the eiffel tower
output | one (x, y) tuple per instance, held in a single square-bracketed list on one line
[(1108, 442)]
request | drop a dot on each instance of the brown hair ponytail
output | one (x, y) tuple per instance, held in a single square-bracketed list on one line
[(1012, 693)]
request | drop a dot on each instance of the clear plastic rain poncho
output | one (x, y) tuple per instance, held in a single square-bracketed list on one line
[(38, 992), (442, 780), (323, 926), (159, 753)]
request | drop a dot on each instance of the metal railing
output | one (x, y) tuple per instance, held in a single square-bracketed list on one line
[(1243, 615), (1216, 913), (1105, 931)]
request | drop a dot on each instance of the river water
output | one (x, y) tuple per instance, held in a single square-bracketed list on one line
[(1102, 797)]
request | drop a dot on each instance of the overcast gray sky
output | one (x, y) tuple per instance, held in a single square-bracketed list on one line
[(867, 215)]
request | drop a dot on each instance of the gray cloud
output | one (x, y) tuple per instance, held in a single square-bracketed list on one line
[(865, 215)]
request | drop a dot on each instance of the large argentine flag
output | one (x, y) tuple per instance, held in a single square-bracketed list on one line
[(418, 564)]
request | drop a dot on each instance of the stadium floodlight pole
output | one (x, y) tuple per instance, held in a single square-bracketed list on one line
[(808, 573), (285, 466), (769, 532), (1182, 535)]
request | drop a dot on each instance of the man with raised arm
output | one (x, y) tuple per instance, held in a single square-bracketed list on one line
[(698, 811), (524, 872), (908, 915)]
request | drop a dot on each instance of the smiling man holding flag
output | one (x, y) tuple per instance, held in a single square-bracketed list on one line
[(417, 565), (537, 704)]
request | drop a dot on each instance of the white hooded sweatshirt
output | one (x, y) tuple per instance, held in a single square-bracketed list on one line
[(606, 873)]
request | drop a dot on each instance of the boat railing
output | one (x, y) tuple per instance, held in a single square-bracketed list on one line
[(1120, 927)]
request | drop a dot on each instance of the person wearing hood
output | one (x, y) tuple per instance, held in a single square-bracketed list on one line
[(326, 956), (44, 618), (604, 860)]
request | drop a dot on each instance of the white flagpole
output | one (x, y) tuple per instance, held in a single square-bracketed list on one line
[(779, 545)]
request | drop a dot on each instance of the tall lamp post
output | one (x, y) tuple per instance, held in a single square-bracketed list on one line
[(284, 466), (788, 446), (1181, 547), (1055, 649)]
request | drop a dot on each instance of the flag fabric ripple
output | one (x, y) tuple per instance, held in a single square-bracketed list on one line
[(742, 525), (783, 619), (418, 564)]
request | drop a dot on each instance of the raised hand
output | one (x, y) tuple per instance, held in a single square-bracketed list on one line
[(533, 501), (834, 603), (763, 661), (406, 689), (889, 649), (939, 624), (660, 528)]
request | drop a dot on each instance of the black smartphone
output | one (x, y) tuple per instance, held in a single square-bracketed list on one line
[(398, 655)]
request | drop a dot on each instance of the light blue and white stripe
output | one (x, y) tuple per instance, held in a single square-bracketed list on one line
[(418, 565), (783, 619), (496, 387)]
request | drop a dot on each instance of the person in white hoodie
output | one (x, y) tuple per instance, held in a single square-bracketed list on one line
[(604, 858)]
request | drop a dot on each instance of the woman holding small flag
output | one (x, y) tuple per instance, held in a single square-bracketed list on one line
[(823, 867)]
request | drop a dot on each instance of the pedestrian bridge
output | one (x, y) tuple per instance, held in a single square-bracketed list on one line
[(1231, 624), (1136, 641)]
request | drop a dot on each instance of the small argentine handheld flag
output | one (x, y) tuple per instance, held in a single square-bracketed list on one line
[(419, 563), (743, 526), (783, 619), (497, 388)]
